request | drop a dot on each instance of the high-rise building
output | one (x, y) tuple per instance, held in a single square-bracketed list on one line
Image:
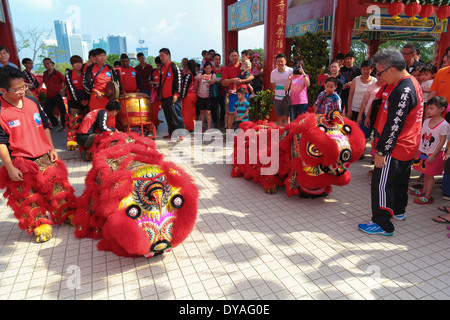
[(117, 44), (142, 48), (69, 43), (102, 44), (63, 29)]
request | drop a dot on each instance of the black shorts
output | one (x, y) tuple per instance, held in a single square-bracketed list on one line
[(203, 104)]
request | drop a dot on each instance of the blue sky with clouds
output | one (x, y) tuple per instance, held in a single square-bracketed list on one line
[(186, 27)]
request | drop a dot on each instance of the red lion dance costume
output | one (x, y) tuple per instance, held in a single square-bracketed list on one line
[(314, 152), (45, 188), (134, 201)]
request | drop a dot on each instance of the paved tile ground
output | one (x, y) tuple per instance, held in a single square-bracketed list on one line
[(246, 245)]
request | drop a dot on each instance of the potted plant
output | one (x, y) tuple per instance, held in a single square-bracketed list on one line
[(261, 105)]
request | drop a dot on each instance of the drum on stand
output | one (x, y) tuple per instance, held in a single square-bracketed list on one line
[(136, 112)]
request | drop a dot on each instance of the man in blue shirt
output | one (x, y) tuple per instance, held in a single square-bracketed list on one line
[(4, 58)]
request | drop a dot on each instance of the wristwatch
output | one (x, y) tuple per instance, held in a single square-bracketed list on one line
[(381, 153)]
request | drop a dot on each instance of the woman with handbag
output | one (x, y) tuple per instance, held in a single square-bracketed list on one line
[(204, 100), (297, 85)]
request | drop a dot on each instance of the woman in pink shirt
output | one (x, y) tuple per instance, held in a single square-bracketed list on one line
[(297, 83)]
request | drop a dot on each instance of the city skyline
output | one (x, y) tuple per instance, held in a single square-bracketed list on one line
[(185, 30)]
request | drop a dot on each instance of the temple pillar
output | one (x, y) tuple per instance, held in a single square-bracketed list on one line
[(342, 29), (274, 39), (7, 38), (372, 48), (439, 49), (229, 38)]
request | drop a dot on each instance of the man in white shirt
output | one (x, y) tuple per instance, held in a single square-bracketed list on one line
[(279, 77)]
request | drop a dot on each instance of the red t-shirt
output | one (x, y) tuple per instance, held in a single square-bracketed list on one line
[(155, 77), (103, 78), (167, 81), (25, 129), (230, 72), (53, 82), (77, 81), (128, 76)]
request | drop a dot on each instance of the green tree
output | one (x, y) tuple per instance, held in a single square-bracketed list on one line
[(312, 48), (111, 58), (426, 48)]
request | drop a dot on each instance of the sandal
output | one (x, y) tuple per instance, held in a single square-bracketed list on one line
[(424, 200), (443, 209), (440, 217), (416, 193)]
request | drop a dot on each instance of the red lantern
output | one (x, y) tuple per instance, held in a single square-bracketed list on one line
[(427, 11), (395, 9), (413, 9), (443, 12)]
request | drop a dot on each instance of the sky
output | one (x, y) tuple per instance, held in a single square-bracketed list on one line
[(186, 27)]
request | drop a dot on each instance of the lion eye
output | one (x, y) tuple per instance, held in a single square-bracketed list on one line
[(133, 212), (313, 151)]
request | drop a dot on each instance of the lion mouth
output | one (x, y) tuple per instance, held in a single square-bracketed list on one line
[(158, 248)]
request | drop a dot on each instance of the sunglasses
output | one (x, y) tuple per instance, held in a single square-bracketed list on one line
[(380, 73)]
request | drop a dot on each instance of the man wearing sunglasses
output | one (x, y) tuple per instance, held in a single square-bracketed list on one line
[(399, 125)]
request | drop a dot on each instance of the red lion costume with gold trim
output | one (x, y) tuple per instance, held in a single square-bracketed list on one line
[(134, 201), (313, 152)]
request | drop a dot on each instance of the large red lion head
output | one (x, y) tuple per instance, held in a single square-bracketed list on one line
[(135, 202), (319, 150)]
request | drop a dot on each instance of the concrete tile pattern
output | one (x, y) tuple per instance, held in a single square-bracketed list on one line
[(246, 245)]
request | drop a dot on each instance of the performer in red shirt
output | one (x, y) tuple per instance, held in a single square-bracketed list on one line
[(154, 83), (36, 181), (145, 71), (128, 76), (94, 123), (189, 95), (170, 88), (30, 79), (77, 98), (399, 126), (55, 83), (95, 79)]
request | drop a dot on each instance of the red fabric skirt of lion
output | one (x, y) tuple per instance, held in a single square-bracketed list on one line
[(134, 201), (313, 152)]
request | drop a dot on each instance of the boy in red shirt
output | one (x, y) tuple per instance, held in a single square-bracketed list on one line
[(55, 83), (94, 123), (154, 82), (95, 79), (36, 181), (77, 98), (30, 79)]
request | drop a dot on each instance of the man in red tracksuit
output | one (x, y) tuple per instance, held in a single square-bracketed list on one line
[(170, 87), (399, 124)]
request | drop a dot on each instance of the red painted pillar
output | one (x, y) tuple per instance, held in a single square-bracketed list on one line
[(372, 48), (7, 38), (274, 39), (342, 28), (229, 38), (440, 47)]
